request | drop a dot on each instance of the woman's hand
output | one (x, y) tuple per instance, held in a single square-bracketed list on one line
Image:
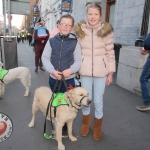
[(109, 78)]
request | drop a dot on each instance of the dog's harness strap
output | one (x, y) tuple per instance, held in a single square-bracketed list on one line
[(55, 112), (48, 106), (3, 72), (82, 99), (50, 102)]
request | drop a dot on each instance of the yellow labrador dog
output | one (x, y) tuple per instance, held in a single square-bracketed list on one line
[(76, 98)]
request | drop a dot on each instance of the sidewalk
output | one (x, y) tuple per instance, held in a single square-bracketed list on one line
[(124, 128)]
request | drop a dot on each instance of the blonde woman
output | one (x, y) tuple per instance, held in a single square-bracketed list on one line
[(97, 64)]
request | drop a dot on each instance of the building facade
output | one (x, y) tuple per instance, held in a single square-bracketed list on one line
[(124, 15), (130, 20)]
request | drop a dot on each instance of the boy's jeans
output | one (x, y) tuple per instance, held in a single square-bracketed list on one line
[(63, 88), (99, 87), (145, 76)]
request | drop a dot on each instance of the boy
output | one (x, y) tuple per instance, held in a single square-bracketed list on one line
[(62, 54)]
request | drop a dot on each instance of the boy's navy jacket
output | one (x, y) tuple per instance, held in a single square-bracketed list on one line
[(147, 43), (61, 53)]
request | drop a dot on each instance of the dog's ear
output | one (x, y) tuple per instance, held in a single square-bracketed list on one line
[(69, 95)]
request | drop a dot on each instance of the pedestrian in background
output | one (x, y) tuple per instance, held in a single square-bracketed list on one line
[(55, 30), (145, 76), (41, 35), (97, 64), (18, 38), (22, 37), (64, 43), (29, 37)]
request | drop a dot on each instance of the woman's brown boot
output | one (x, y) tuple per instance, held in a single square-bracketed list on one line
[(97, 133), (85, 125)]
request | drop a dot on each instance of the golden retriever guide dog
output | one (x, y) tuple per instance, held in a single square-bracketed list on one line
[(76, 98), (21, 73)]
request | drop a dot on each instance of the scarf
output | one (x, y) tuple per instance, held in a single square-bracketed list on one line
[(41, 31)]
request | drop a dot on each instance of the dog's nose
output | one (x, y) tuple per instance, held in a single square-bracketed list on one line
[(89, 102)]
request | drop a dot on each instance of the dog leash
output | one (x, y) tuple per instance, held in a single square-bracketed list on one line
[(46, 136)]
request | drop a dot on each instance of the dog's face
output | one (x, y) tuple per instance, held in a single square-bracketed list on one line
[(79, 96)]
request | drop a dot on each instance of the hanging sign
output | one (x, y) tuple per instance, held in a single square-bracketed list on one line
[(66, 6)]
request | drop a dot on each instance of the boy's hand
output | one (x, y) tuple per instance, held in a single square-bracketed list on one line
[(67, 73), (57, 74)]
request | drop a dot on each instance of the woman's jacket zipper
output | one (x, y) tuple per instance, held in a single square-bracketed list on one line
[(92, 52)]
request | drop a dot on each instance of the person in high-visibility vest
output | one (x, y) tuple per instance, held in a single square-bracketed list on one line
[(18, 38), (22, 38)]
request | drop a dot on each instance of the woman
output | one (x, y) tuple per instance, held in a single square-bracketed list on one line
[(41, 35), (97, 66)]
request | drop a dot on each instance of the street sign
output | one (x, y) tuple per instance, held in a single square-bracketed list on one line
[(20, 7), (66, 5), (9, 18)]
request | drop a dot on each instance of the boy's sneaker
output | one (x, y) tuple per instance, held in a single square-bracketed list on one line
[(36, 70), (41, 69), (143, 108), (64, 131)]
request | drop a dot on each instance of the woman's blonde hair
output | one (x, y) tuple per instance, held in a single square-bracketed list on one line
[(95, 5)]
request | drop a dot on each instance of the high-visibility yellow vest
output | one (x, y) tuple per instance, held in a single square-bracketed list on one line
[(18, 36), (23, 35)]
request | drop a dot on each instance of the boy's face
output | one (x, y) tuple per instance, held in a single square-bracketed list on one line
[(65, 26)]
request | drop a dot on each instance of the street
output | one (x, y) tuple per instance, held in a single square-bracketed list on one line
[(124, 128)]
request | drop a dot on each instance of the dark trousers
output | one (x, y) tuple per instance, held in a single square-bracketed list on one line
[(38, 54), (63, 88), (30, 42)]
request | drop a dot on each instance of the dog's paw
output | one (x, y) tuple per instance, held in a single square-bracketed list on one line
[(26, 94), (31, 125), (61, 147), (72, 138)]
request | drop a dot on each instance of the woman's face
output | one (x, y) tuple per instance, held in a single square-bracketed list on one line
[(43, 23), (93, 16)]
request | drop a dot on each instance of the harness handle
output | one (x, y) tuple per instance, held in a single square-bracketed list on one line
[(50, 102)]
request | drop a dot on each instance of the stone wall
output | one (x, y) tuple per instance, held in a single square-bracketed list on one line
[(128, 19)]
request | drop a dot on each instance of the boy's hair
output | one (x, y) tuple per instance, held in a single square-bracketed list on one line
[(57, 22), (67, 16), (95, 5)]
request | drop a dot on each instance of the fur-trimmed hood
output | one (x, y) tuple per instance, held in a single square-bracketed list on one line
[(103, 29)]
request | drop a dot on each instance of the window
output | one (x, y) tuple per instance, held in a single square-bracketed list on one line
[(110, 11)]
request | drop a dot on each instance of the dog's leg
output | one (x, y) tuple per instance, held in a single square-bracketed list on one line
[(69, 126), (59, 135), (35, 108), (27, 91), (2, 89), (26, 81)]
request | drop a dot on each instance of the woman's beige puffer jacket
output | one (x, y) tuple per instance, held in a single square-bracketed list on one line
[(98, 57)]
